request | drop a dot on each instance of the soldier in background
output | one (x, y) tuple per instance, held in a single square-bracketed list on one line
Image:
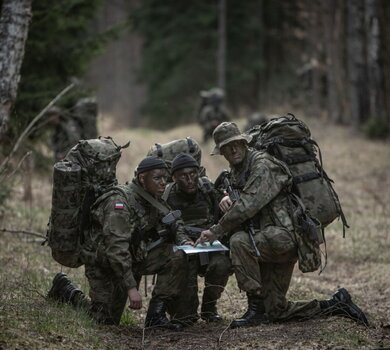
[(212, 111), (66, 131), (255, 119), (79, 123), (86, 111)]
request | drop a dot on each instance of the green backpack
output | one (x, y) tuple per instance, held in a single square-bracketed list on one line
[(289, 139), (88, 170), (168, 151)]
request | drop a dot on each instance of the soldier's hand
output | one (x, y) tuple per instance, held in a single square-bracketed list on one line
[(188, 243), (134, 298), (225, 203), (206, 236)]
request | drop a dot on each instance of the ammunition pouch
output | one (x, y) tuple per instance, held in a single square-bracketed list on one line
[(308, 237)]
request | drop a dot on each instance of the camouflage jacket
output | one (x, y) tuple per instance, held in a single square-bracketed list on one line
[(123, 224), (261, 180), (199, 209), (209, 114)]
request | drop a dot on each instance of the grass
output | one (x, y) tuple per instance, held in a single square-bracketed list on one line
[(360, 262)]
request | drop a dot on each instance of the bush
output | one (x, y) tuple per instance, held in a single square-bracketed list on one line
[(376, 128)]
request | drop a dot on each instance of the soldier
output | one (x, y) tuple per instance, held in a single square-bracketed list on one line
[(255, 119), (125, 223), (263, 183), (66, 132), (197, 200), (86, 111), (212, 111)]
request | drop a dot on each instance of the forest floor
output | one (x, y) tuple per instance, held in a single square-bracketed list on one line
[(360, 263)]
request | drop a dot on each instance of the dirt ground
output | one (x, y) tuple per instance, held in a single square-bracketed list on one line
[(360, 263)]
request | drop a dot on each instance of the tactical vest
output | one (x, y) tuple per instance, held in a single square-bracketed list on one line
[(197, 210)]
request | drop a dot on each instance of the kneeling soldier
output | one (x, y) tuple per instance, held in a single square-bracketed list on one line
[(126, 223), (197, 200), (264, 259)]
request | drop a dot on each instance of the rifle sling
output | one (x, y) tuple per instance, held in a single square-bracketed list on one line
[(150, 199)]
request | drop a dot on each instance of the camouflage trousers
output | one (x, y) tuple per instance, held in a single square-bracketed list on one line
[(108, 294), (216, 274), (269, 276)]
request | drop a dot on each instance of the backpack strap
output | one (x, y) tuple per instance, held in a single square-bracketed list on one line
[(150, 199), (159, 150), (305, 177), (191, 145)]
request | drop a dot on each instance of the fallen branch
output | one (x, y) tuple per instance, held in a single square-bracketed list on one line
[(28, 154), (30, 233), (32, 123)]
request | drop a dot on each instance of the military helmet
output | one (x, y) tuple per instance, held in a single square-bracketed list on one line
[(225, 133)]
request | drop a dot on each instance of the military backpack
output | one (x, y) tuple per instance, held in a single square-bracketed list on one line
[(88, 170), (168, 151), (289, 139)]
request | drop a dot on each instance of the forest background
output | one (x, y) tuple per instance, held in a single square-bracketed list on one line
[(147, 61)]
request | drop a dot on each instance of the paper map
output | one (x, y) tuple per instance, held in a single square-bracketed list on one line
[(206, 247)]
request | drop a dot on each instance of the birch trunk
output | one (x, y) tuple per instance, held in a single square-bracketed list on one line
[(14, 23)]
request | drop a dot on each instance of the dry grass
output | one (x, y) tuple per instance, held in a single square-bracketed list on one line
[(360, 169)]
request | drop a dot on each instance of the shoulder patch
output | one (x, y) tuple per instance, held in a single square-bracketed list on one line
[(119, 206)]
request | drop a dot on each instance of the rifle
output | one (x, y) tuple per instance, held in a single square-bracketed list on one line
[(234, 196), (166, 234)]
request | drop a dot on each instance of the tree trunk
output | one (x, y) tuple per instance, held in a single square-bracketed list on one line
[(384, 13), (14, 23), (335, 68), (120, 94), (356, 62), (375, 83), (221, 57), (316, 51)]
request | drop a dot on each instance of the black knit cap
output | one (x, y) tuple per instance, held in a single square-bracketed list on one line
[(183, 160), (150, 163)]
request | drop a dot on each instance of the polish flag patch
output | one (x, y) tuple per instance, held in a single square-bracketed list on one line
[(119, 206)]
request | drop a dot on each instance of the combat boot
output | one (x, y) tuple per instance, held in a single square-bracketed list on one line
[(156, 316), (63, 290), (341, 305), (209, 312), (255, 314)]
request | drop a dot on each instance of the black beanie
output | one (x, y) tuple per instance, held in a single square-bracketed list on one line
[(183, 160), (150, 163)]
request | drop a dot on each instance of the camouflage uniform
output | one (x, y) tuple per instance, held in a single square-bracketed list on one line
[(264, 202), (116, 254), (199, 210), (261, 181)]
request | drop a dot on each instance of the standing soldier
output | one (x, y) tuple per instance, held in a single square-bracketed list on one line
[(86, 111), (121, 247), (259, 219), (66, 132), (212, 111), (196, 198)]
